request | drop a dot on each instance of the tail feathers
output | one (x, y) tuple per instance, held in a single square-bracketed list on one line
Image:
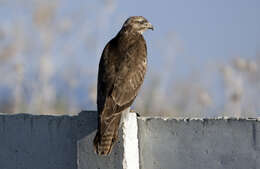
[(103, 143)]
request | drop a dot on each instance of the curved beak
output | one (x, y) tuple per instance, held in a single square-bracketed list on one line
[(149, 26)]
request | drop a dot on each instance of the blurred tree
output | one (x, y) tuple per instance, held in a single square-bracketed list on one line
[(49, 52)]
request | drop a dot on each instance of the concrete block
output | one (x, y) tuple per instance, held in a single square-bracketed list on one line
[(87, 159), (198, 143), (125, 153), (63, 142), (37, 142)]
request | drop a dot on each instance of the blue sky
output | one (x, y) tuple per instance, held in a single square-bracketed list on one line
[(190, 37), (208, 30), (209, 33)]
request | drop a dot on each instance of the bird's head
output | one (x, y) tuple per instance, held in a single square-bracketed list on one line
[(137, 24)]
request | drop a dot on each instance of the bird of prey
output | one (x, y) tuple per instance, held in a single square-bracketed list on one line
[(122, 68)]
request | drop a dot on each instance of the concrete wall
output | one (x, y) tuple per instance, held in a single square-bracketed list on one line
[(87, 159), (65, 142), (53, 142), (37, 142), (199, 144)]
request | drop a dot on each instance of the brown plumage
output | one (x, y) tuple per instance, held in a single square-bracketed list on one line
[(121, 72)]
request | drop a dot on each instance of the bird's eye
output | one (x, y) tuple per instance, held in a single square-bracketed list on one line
[(142, 22)]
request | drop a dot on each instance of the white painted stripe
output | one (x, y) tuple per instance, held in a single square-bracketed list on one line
[(130, 141)]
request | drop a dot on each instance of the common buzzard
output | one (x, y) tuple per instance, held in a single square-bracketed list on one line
[(122, 68)]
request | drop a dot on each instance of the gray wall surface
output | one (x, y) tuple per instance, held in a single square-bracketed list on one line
[(87, 159), (65, 142), (52, 142), (37, 142), (199, 144)]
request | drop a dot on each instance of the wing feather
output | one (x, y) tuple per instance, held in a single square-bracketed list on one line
[(131, 74)]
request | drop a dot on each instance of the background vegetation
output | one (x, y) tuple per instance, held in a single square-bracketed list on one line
[(49, 53)]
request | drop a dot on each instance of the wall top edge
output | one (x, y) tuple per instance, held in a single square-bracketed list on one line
[(49, 114), (144, 118), (185, 119)]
